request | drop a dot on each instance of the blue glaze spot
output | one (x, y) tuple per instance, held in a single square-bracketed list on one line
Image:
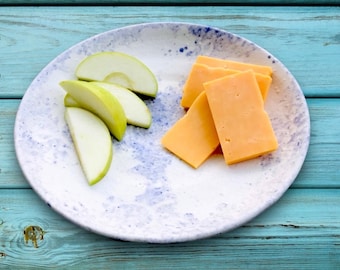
[(189, 53), (152, 196), (183, 49), (198, 31)]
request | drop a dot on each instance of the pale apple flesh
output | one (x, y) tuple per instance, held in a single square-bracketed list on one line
[(120, 79), (92, 141), (120, 68), (98, 101), (69, 101), (136, 111)]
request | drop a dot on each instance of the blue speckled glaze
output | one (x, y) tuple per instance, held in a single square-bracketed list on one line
[(148, 194)]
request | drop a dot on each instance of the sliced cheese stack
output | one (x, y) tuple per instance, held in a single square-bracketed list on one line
[(201, 73), (225, 102)]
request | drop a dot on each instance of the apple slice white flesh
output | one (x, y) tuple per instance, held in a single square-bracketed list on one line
[(69, 101), (100, 102), (92, 141), (136, 111), (119, 68)]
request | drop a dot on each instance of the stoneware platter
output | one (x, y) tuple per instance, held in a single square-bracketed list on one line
[(149, 195)]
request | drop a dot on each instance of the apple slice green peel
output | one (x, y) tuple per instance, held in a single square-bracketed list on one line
[(136, 111), (100, 102), (92, 141), (119, 68)]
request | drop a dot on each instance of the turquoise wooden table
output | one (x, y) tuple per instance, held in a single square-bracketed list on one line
[(300, 231)]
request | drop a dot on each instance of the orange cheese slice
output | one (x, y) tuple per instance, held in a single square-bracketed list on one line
[(217, 62), (193, 138), (264, 82), (243, 126), (201, 73)]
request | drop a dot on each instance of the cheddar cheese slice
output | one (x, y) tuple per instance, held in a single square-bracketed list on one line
[(264, 82), (193, 138), (201, 73), (217, 62), (243, 126)]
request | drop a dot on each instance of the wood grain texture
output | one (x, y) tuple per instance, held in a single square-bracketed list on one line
[(320, 170), (281, 236), (300, 231), (170, 2), (30, 37), (10, 173)]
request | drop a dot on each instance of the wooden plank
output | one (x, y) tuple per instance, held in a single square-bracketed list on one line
[(169, 2), (320, 170), (10, 173), (29, 35), (291, 225)]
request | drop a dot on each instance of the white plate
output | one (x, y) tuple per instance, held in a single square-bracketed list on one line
[(148, 194)]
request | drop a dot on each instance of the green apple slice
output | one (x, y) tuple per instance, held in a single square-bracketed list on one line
[(119, 68), (100, 102), (92, 141), (69, 101), (136, 111)]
